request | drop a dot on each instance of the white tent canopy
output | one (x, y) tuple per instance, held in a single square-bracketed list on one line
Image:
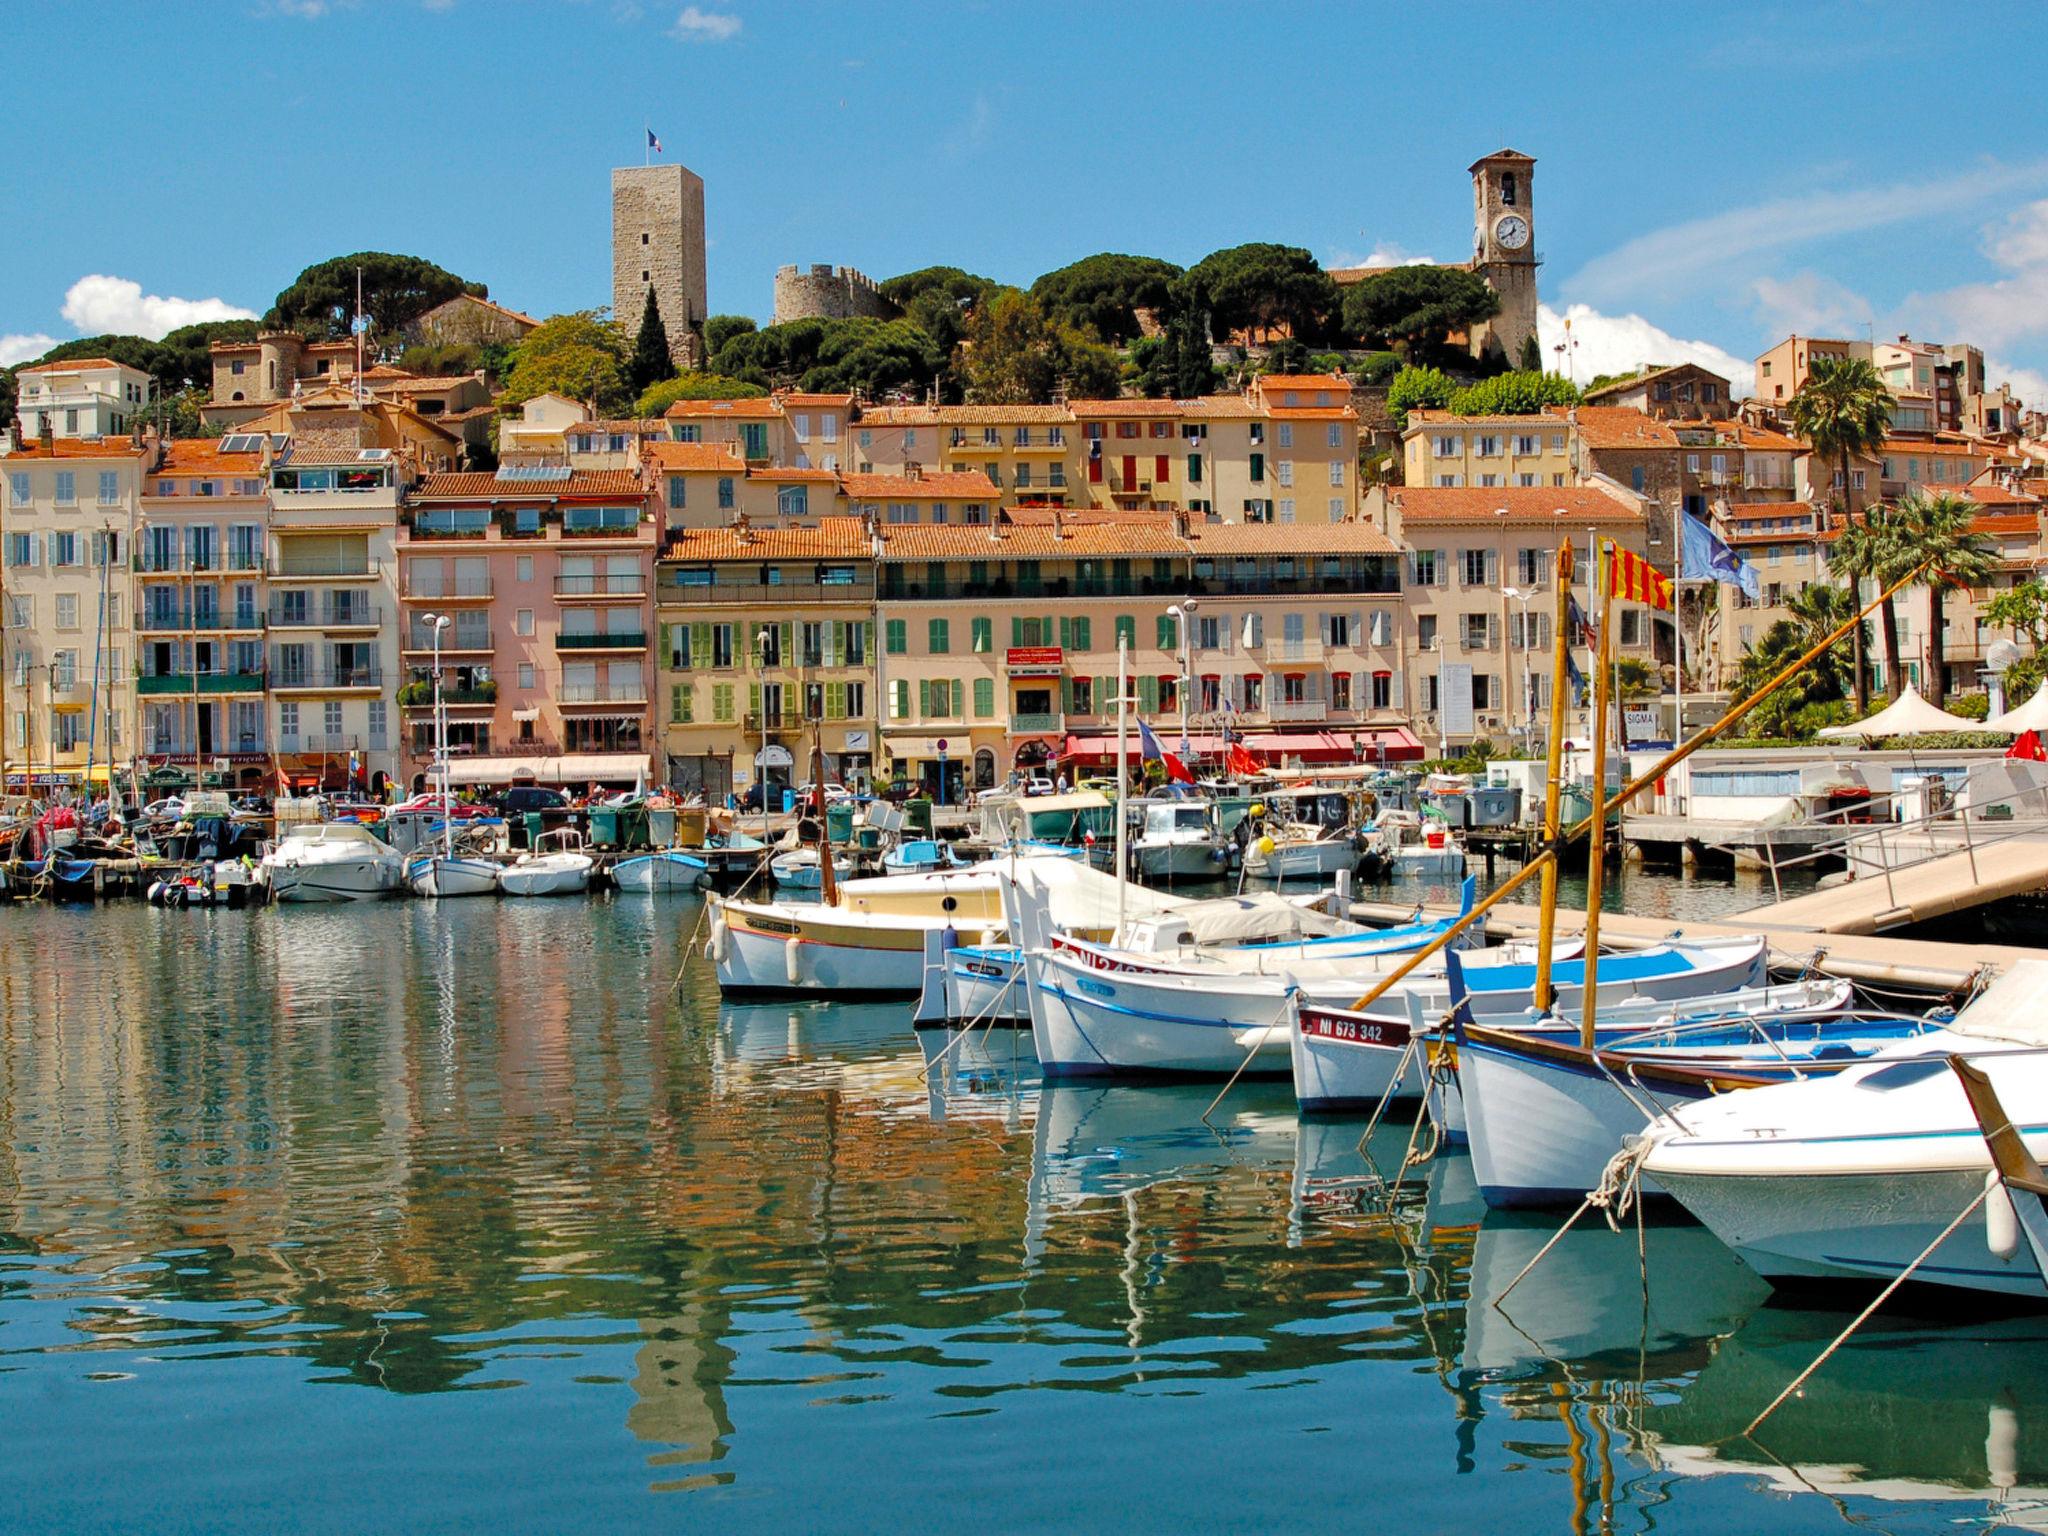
[(1908, 715), (2030, 716)]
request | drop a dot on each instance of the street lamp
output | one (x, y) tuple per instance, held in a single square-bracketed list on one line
[(761, 639), (1523, 596), (1183, 615)]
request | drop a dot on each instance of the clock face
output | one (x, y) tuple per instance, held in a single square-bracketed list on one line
[(1511, 230)]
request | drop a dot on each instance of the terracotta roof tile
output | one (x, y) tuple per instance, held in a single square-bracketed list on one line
[(187, 456), (1347, 538), (727, 410), (792, 473), (77, 365), (680, 456), (472, 485), (2000, 496), (898, 416), (1096, 410), (1033, 541), (1335, 383), (77, 448), (1000, 415), (1562, 505), (845, 401), (971, 485), (831, 538), (1616, 426)]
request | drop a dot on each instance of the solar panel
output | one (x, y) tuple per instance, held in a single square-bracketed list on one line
[(533, 474), (373, 455)]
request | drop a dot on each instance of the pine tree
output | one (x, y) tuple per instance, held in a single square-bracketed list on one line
[(650, 363), (1194, 374), (1532, 354)]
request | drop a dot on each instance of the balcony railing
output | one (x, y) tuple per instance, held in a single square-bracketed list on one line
[(320, 741), (776, 720), (1479, 640), (303, 568), (467, 589), (1296, 709), (1294, 650), (611, 640), (326, 678), (148, 563), (453, 640), (602, 693), (327, 615), (156, 620), (631, 584), (1037, 722), (199, 682), (420, 695)]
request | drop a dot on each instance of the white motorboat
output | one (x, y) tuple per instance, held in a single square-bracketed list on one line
[(1298, 851), (1849, 1178), (1179, 841), (333, 861), (666, 869), (1401, 846), (442, 875), (555, 866)]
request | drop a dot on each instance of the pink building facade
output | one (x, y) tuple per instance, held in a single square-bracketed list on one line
[(545, 575)]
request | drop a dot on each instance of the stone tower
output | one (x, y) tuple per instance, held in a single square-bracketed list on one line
[(658, 243), (1504, 250)]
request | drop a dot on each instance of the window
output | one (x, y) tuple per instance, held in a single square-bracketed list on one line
[(64, 549), (938, 637), (1526, 443), (1425, 568), (1286, 468), (984, 697), (895, 637), (1425, 631), (21, 549), (1284, 435), (1447, 447), (1479, 567), (523, 570), (1631, 626), (1637, 479), (1529, 566), (1167, 632), (526, 677), (522, 621), (1334, 437), (983, 635), (792, 501), (67, 488), (1487, 447), (18, 487), (1336, 471), (110, 487), (67, 611)]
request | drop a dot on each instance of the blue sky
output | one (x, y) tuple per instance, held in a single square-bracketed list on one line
[(1708, 177)]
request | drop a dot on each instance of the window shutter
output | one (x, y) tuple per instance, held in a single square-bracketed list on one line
[(1066, 695), (1066, 633), (1397, 690), (1357, 630), (1083, 634), (924, 698), (754, 699), (700, 644), (1315, 688), (1148, 695), (1016, 631), (1105, 695)]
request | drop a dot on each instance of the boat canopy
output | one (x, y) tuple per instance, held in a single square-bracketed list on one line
[(2010, 1008)]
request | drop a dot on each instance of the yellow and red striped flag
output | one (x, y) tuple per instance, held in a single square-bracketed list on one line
[(1631, 576)]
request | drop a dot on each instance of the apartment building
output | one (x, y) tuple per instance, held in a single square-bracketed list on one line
[(2011, 523), (546, 576), (199, 613), (1454, 452), (1786, 541), (1479, 599), (1686, 392), (765, 632), (1637, 450), (83, 397), (756, 430), (272, 368), (1029, 453), (1783, 371), (965, 497), (1311, 432), (69, 520)]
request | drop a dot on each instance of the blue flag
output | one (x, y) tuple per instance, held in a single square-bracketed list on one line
[(1705, 556)]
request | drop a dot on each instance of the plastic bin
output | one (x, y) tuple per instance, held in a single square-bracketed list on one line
[(604, 827), (917, 817), (661, 826), (536, 823), (692, 825), (839, 822)]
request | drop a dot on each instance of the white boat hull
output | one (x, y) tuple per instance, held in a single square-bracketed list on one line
[(547, 875), (986, 985), (659, 872), (439, 877), (1343, 1065), (370, 877), (1087, 1022), (1180, 860), (1301, 861), (798, 871), (1426, 863), (787, 951)]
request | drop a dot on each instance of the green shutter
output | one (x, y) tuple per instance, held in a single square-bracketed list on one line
[(754, 699), (835, 701), (1066, 695), (1169, 633), (924, 698), (675, 703), (959, 699), (1066, 633), (938, 636), (1084, 634), (1016, 631), (984, 698), (898, 637), (1127, 629), (1148, 695), (984, 638), (787, 646), (1047, 630)]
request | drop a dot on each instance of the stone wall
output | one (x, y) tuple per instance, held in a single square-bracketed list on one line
[(823, 292)]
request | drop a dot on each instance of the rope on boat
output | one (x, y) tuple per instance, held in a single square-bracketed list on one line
[(1621, 1182), (1879, 1300), (988, 1014)]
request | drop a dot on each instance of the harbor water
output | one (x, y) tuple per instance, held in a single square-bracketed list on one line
[(489, 1215)]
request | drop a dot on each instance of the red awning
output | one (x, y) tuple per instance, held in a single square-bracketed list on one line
[(1370, 744)]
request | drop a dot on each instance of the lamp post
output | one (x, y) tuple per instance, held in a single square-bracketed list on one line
[(1523, 596), (761, 638), (1183, 614)]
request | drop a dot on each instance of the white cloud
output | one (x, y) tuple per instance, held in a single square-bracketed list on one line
[(2030, 384), (16, 348), (1809, 304), (99, 303), (1621, 343), (1682, 257), (1384, 253), (2005, 309), (700, 26)]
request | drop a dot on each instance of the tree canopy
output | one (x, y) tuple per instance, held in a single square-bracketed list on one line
[(181, 360), (1514, 394), (1418, 306), (1842, 409), (657, 398), (951, 281), (397, 290), (720, 329), (580, 355), (1414, 388), (866, 356), (1014, 354), (1103, 293), (1261, 286)]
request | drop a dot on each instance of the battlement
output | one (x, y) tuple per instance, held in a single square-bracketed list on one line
[(822, 291)]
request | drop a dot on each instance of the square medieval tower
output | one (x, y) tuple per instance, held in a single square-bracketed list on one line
[(658, 243)]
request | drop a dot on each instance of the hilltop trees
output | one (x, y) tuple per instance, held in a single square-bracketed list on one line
[(1014, 353), (1415, 388), (1418, 307), (657, 398), (1260, 287), (1103, 293), (581, 355), (720, 329), (397, 290), (1514, 394), (867, 356)]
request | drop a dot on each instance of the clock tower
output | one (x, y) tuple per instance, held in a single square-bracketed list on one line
[(1504, 251)]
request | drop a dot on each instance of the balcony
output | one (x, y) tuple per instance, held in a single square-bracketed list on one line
[(1296, 709), (1037, 723), (305, 568), (474, 589), (611, 640), (321, 743), (1479, 640), (599, 588), (327, 615), (1294, 650), (420, 695), (148, 563), (154, 620), (454, 642), (602, 693), (326, 679), (200, 682), (774, 720)]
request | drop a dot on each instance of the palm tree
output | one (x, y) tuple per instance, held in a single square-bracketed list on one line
[(1936, 536), (1867, 548), (1817, 611), (1843, 409)]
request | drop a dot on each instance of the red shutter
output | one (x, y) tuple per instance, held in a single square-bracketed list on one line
[(1095, 469), (1130, 472), (1159, 470)]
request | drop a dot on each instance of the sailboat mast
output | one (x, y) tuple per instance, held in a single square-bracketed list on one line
[(1123, 773)]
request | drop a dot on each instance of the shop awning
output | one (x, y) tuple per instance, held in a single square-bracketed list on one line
[(1370, 744), (928, 746)]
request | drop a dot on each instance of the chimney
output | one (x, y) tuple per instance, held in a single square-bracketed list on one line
[(45, 433), (740, 528), (995, 526), (1180, 522), (1059, 527), (912, 470), (264, 455)]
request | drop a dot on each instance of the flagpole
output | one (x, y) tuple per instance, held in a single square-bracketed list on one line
[(1123, 772), (646, 144), (1678, 613)]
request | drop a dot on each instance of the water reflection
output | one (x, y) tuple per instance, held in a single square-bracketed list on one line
[(586, 1235)]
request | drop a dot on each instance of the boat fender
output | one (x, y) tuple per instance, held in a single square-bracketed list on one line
[(715, 946), (792, 962), (1263, 847), (2002, 1448), (2001, 1221), (991, 937), (950, 939)]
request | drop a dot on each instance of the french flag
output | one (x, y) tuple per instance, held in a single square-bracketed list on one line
[(652, 142), (1152, 752)]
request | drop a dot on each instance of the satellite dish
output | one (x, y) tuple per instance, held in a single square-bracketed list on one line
[(2001, 655)]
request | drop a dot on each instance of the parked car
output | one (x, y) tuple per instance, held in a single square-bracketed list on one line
[(1039, 786), (749, 799), (834, 793), (521, 798)]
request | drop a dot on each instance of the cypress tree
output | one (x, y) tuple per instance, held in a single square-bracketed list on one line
[(650, 363), (1532, 355)]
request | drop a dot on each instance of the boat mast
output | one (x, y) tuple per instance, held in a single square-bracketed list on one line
[(440, 622), (828, 885), (1560, 672), (1123, 776), (1603, 578)]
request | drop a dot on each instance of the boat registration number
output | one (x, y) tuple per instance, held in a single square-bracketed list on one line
[(1322, 1026)]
